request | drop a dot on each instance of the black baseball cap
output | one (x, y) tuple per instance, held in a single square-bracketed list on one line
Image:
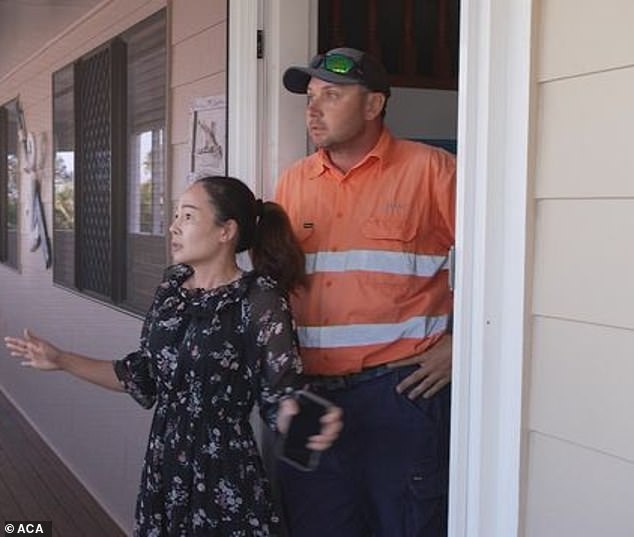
[(340, 66)]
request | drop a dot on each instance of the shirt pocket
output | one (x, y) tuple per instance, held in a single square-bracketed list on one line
[(391, 229), (390, 246)]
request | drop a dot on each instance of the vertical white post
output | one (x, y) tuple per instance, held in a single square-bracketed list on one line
[(491, 311), (242, 101)]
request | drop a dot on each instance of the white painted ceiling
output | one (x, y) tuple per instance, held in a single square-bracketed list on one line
[(27, 25)]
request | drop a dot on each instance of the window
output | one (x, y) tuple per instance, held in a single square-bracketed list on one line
[(9, 184), (64, 178), (109, 172), (146, 97)]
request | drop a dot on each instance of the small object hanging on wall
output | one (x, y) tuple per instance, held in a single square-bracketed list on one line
[(38, 232), (38, 222), (208, 137)]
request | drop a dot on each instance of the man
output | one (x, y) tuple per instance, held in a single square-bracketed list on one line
[(375, 216)]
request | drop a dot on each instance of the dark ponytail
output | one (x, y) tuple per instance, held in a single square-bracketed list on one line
[(263, 228), (275, 250)]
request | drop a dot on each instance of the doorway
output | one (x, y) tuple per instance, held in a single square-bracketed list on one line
[(494, 119)]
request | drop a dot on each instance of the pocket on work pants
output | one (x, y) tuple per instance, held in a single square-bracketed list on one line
[(426, 504)]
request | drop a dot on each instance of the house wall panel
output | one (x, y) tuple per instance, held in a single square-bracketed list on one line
[(581, 385), (78, 39), (38, 18), (181, 162), (583, 266), (194, 16), (580, 448), (584, 36), (585, 131), (576, 491), (198, 57)]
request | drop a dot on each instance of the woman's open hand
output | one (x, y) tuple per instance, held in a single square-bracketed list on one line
[(38, 353)]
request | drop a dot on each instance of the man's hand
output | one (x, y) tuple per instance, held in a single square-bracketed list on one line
[(433, 373)]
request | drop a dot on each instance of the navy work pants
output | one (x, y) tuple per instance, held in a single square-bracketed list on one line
[(386, 475)]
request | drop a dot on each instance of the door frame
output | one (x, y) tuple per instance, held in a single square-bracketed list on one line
[(494, 219), (494, 267)]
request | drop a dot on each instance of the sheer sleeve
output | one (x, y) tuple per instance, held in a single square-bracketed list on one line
[(135, 372), (276, 348)]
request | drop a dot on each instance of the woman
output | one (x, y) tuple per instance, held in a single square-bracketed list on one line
[(215, 341)]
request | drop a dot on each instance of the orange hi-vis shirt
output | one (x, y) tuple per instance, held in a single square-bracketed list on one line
[(377, 242)]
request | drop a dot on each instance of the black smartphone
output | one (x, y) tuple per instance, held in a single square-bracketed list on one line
[(303, 425)]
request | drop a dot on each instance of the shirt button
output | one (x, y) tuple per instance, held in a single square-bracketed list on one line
[(328, 283), (334, 248), (339, 215)]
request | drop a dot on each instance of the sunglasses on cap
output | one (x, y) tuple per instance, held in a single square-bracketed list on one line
[(337, 63)]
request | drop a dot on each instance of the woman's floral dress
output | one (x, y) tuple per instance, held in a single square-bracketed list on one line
[(205, 358)]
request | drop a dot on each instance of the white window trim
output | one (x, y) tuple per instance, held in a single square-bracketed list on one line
[(491, 317)]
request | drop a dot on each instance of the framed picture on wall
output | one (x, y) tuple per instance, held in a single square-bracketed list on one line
[(208, 137)]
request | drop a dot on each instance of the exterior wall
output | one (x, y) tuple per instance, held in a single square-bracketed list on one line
[(580, 472), (100, 435), (199, 37), (42, 19)]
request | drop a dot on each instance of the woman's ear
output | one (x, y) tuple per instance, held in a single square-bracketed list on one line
[(374, 103), (229, 231)]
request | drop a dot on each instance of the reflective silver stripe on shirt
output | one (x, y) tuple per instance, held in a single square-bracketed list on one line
[(403, 263), (355, 335)]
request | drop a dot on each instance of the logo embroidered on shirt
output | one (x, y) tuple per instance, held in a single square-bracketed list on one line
[(394, 207)]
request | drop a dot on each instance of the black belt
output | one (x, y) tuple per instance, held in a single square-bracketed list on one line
[(339, 382)]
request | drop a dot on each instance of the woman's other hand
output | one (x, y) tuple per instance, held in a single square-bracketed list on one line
[(331, 424)]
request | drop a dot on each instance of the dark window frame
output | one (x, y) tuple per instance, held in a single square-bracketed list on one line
[(110, 290), (4, 180), (9, 256)]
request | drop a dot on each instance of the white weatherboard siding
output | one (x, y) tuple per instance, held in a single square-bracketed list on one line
[(580, 471), (577, 491)]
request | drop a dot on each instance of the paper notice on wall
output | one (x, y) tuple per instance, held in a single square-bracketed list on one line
[(208, 137)]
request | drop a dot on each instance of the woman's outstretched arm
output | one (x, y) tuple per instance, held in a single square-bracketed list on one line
[(40, 354)]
